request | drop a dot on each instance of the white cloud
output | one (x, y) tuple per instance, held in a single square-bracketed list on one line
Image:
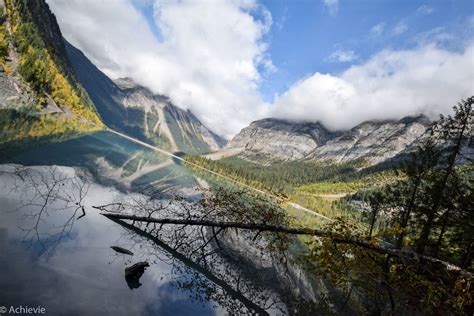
[(400, 28), (332, 6), (425, 10), (208, 60), (390, 85), (342, 56), (377, 29), (211, 56)]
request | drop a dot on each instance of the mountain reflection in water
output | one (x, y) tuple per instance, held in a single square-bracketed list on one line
[(81, 275), (51, 259)]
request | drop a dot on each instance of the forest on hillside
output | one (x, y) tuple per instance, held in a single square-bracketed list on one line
[(424, 209)]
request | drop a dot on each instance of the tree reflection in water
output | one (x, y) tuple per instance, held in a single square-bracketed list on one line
[(238, 269), (241, 272), (44, 191)]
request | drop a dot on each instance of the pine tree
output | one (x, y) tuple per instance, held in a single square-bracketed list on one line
[(454, 132)]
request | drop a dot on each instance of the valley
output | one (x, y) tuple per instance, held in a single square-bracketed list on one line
[(116, 199)]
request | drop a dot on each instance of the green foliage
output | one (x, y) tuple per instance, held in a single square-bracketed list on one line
[(4, 37), (424, 206), (279, 177), (42, 69), (332, 187), (373, 283), (16, 126), (433, 204)]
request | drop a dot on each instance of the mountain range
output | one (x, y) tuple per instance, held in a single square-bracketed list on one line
[(130, 108), (373, 141)]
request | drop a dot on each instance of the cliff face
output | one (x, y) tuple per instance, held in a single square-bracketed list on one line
[(372, 141), (135, 110), (281, 139), (44, 34), (182, 129)]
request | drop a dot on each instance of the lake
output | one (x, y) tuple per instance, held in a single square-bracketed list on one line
[(53, 257)]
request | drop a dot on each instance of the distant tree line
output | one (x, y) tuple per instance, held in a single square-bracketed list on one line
[(280, 177)]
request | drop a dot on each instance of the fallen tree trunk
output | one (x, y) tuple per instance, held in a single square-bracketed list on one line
[(336, 237)]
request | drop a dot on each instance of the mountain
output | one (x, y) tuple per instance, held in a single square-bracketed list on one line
[(373, 141), (281, 139), (40, 96), (56, 82), (134, 109), (47, 87)]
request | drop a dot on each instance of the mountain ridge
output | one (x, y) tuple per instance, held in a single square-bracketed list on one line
[(136, 110), (374, 141)]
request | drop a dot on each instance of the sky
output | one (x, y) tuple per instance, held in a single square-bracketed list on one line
[(339, 62)]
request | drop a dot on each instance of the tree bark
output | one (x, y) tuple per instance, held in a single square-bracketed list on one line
[(406, 215), (441, 234), (375, 211)]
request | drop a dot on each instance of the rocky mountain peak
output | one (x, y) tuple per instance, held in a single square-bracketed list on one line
[(374, 141), (281, 139)]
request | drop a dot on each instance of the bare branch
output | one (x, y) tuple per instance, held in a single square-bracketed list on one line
[(336, 237)]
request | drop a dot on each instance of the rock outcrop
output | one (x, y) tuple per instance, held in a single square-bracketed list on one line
[(281, 139), (373, 141)]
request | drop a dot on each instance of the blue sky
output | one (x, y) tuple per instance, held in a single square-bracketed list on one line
[(305, 33), (334, 61)]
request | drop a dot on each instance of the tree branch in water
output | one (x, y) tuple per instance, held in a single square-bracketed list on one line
[(336, 237)]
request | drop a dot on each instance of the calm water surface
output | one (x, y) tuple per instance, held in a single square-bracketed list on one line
[(81, 274)]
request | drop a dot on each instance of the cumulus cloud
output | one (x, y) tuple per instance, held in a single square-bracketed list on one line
[(207, 60), (342, 56), (332, 6), (390, 85), (210, 57)]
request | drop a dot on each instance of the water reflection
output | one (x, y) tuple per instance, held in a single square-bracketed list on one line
[(59, 253), (81, 274), (56, 249), (204, 283), (111, 159)]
